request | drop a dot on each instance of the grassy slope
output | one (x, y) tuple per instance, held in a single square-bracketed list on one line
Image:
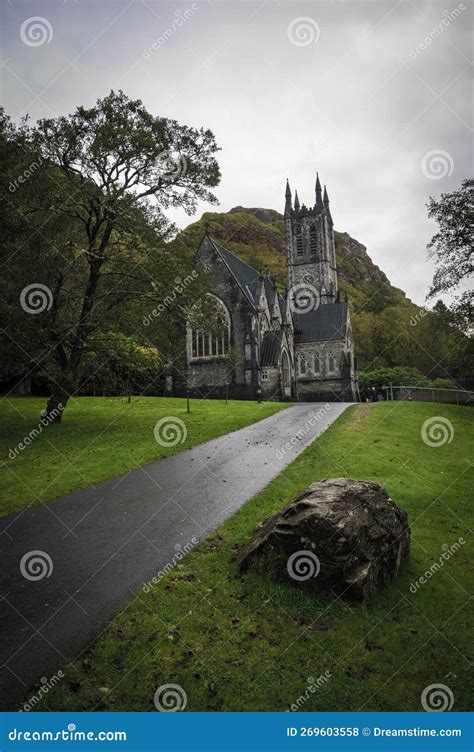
[(100, 438), (245, 644)]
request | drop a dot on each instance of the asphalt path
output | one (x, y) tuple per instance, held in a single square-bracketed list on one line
[(98, 546)]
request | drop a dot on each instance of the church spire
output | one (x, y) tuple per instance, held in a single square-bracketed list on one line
[(319, 201), (297, 202), (326, 204), (287, 199)]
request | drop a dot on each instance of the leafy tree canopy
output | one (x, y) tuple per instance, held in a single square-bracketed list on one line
[(452, 246)]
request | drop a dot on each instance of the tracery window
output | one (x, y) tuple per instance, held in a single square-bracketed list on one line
[(216, 343)]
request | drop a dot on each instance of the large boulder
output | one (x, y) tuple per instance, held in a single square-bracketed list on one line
[(341, 536)]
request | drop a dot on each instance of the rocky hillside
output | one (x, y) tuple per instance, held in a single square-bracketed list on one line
[(257, 236), (389, 330)]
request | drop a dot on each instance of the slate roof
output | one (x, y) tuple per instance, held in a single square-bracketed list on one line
[(243, 273), (270, 349), (328, 322), (247, 277), (252, 290), (270, 290)]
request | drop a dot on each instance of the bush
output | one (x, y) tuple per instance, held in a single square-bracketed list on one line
[(383, 376), (443, 384)]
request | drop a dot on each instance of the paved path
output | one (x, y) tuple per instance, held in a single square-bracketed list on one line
[(107, 540)]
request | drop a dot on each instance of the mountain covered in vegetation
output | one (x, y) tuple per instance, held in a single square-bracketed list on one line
[(390, 330)]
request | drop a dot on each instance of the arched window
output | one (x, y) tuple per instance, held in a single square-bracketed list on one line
[(331, 363), (216, 342), (317, 363), (302, 365), (313, 240), (299, 241)]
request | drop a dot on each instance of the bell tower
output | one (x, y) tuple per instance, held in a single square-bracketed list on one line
[(310, 250)]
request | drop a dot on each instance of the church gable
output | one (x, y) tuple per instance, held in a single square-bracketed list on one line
[(225, 269)]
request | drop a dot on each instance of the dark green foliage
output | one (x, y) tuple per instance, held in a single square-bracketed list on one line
[(398, 376), (87, 225)]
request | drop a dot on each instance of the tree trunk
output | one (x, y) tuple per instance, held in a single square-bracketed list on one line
[(56, 405)]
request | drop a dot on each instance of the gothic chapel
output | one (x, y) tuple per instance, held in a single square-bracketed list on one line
[(298, 346)]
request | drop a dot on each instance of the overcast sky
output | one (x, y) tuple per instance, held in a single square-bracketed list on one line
[(374, 95)]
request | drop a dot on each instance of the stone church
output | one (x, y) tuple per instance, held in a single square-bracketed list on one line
[(298, 346)]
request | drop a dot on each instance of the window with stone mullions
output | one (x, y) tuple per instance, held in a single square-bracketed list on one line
[(299, 241), (313, 240)]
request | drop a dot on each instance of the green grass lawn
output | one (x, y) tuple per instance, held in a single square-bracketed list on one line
[(252, 643), (101, 437)]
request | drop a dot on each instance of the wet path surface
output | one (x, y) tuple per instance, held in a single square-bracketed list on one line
[(104, 542)]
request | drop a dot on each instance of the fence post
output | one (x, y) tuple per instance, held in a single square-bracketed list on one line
[(432, 395)]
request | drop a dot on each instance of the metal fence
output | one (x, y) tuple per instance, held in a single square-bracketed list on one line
[(426, 394)]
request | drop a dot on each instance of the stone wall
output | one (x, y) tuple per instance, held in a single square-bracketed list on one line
[(270, 383), (237, 369), (327, 385)]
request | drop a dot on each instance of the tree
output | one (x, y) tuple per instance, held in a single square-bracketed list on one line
[(452, 246), (111, 170)]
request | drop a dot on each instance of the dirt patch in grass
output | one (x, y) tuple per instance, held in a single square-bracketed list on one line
[(360, 413)]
